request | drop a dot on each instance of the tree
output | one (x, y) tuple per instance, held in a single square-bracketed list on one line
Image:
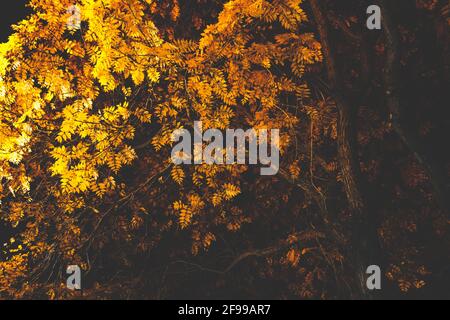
[(88, 107)]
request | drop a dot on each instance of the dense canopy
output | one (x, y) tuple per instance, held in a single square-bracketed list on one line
[(88, 106)]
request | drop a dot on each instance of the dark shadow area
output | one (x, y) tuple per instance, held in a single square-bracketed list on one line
[(12, 12)]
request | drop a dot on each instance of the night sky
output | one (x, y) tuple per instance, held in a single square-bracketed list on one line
[(12, 12)]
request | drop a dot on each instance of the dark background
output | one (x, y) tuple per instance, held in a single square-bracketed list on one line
[(13, 11)]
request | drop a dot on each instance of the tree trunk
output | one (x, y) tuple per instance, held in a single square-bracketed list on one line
[(359, 253)]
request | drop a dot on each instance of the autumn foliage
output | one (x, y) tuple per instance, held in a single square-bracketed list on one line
[(86, 117)]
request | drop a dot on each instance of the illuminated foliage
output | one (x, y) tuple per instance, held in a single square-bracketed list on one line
[(87, 112)]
